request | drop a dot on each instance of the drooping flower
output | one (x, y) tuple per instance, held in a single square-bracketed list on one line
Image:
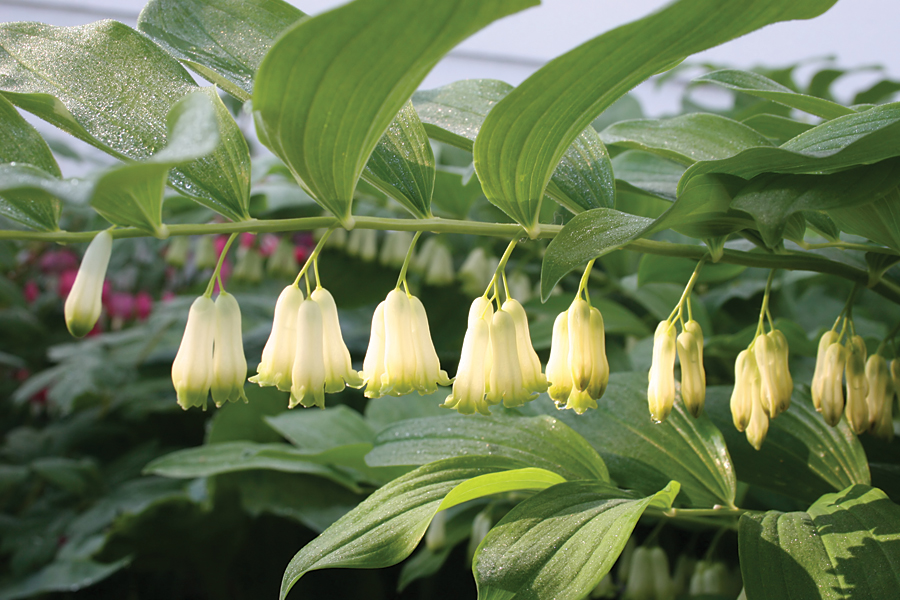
[(308, 374), (205, 256), (857, 386), (661, 388), (278, 355), (772, 360), (476, 272), (84, 303), (529, 363), (362, 243), (393, 251), (693, 375), (192, 370), (758, 426), (880, 399), (439, 270), (741, 401), (832, 391), (507, 384), (470, 384), (338, 368), (558, 374), (828, 338), (429, 374), (578, 371), (520, 286), (282, 260), (229, 362)]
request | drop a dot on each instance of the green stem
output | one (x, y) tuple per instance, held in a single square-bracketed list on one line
[(313, 257), (407, 260), (888, 337), (501, 265), (582, 286), (760, 328), (849, 246), (686, 294), (215, 275)]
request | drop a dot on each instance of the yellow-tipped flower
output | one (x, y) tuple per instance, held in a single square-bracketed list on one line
[(745, 371), (84, 303), (693, 375), (661, 388), (558, 374), (308, 374), (782, 369), (278, 355), (229, 363), (857, 386), (772, 360), (373, 364), (758, 426), (470, 384), (828, 338), (832, 390), (507, 383), (880, 400), (338, 369), (400, 353), (530, 364), (192, 370), (429, 374), (578, 370)]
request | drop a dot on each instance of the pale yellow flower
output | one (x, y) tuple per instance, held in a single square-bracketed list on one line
[(832, 391), (192, 369), (529, 363), (578, 371), (470, 384), (507, 384), (84, 302), (880, 399), (857, 386), (693, 375), (338, 368), (828, 338), (741, 402), (278, 355), (308, 374), (661, 388), (229, 363)]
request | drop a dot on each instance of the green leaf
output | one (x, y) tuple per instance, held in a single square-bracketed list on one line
[(775, 127), (386, 527), (686, 139), (111, 87), (62, 576), (656, 268), (347, 73), (229, 457), (847, 545), (453, 194), (383, 412), (643, 455), (861, 138), (772, 198), (320, 430), (30, 196), (528, 478), (541, 442), (878, 221), (648, 172), (588, 235), (453, 114), (763, 87), (802, 456), (561, 542), (224, 41), (526, 134), (21, 143)]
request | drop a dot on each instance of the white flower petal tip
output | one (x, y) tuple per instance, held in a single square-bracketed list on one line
[(467, 395), (192, 370), (84, 302), (229, 362), (308, 373), (278, 355)]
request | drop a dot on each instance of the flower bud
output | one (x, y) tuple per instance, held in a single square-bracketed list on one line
[(507, 384), (338, 369), (229, 363), (308, 374), (758, 426), (857, 386), (880, 399), (559, 376), (764, 350), (828, 338), (278, 355), (832, 398), (661, 390), (192, 369), (741, 401), (693, 376), (600, 367), (84, 302), (783, 379)]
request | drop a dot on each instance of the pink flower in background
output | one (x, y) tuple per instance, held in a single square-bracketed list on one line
[(248, 239), (104, 295), (65, 283), (225, 273), (58, 261), (219, 244), (267, 244), (168, 296), (31, 291), (121, 305), (143, 305)]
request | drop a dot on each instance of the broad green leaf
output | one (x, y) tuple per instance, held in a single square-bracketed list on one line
[(21, 143), (772, 198), (453, 194), (320, 430), (31, 196), (561, 542), (775, 127), (588, 235), (526, 134), (878, 221), (686, 139), (528, 478), (643, 455), (847, 545), (383, 412), (229, 457), (386, 527), (657, 268), (211, 37), (347, 73), (541, 442), (802, 456), (763, 87), (62, 576), (222, 40), (111, 87), (129, 194), (648, 172), (453, 114), (861, 138)]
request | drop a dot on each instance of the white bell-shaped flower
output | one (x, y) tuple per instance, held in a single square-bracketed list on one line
[(828, 338), (192, 370), (661, 388), (229, 363), (529, 363), (693, 376), (857, 385), (84, 303), (399, 347), (507, 384), (362, 243), (373, 364), (741, 402), (439, 270), (308, 374), (278, 355), (429, 374), (558, 374), (475, 272), (394, 248), (881, 397), (482, 308), (338, 368), (832, 389), (469, 386), (578, 370)]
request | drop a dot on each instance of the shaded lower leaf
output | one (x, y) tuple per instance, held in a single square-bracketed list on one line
[(775, 127), (561, 542), (878, 221), (62, 576), (802, 456), (386, 527), (541, 442), (320, 430), (847, 545), (643, 455)]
